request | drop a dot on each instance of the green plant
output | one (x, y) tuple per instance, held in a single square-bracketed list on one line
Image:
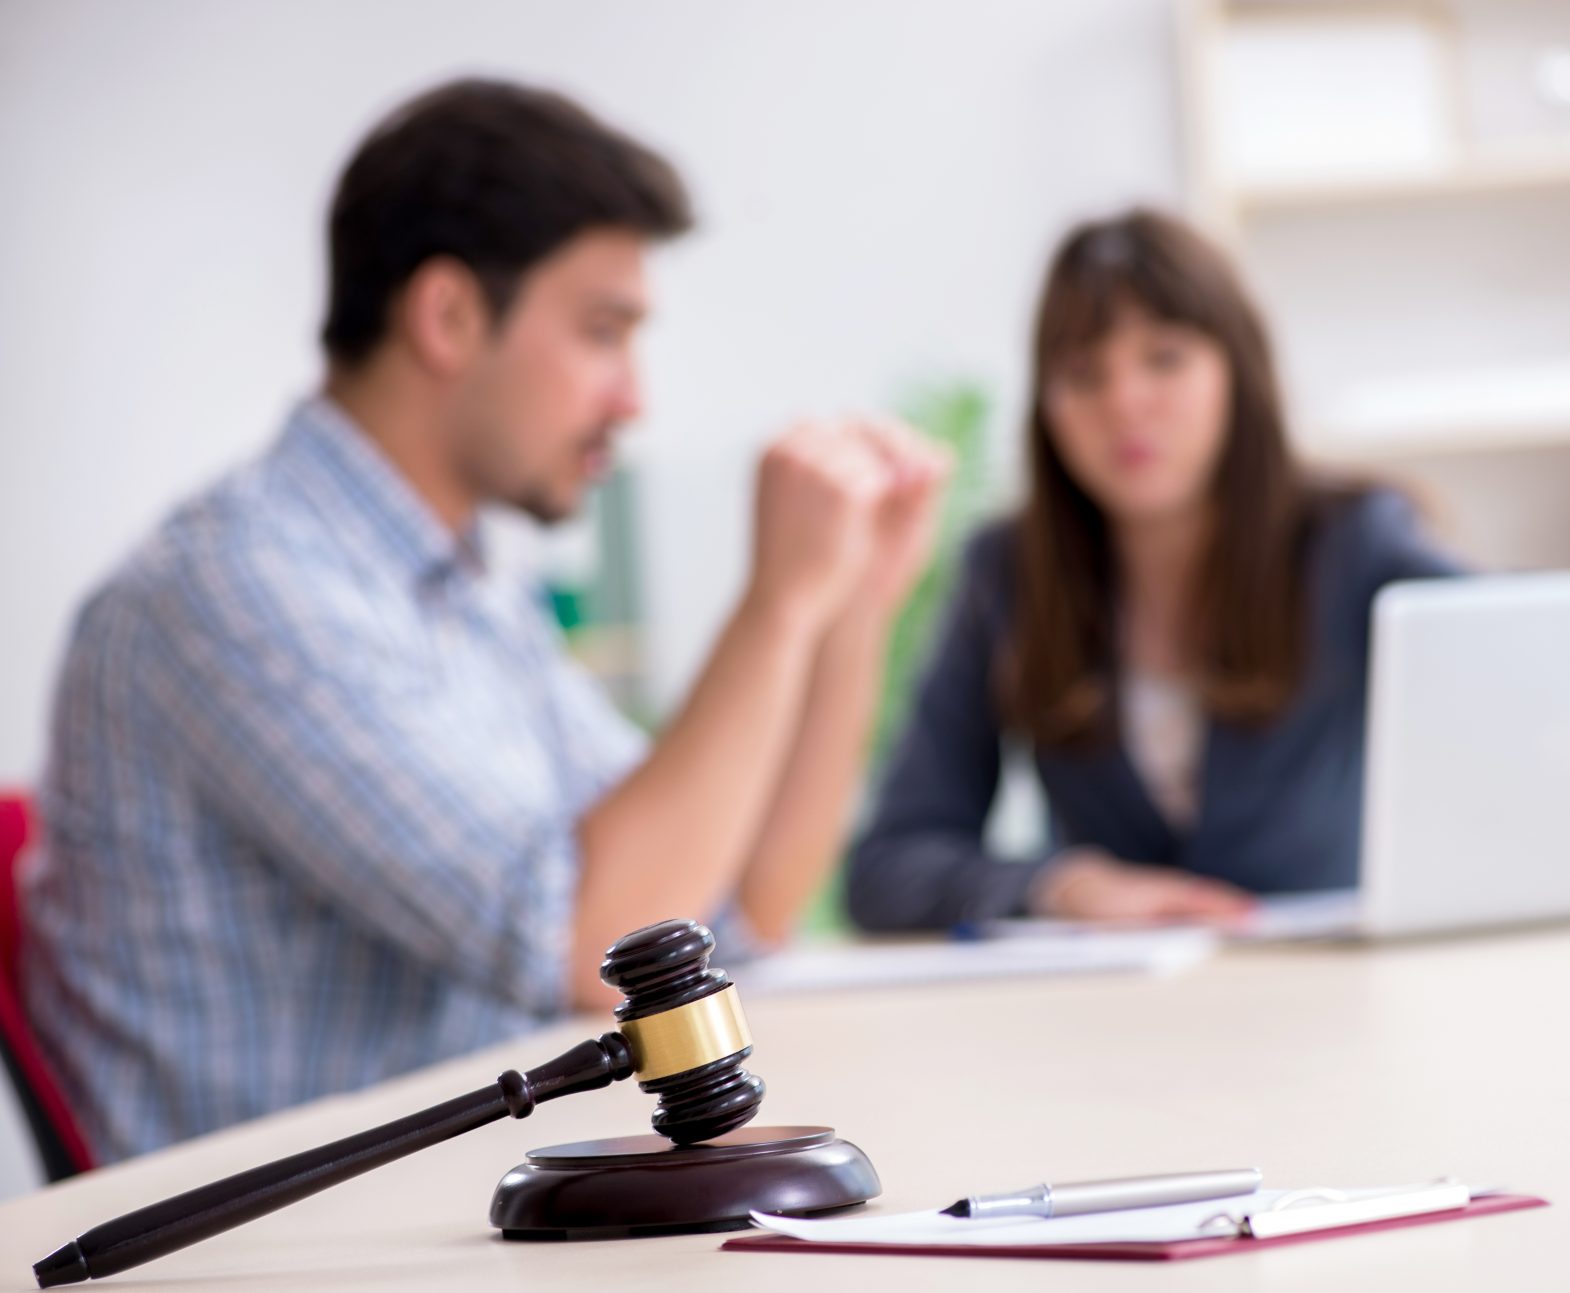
[(955, 414)]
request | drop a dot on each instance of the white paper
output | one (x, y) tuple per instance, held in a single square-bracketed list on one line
[(1330, 913), (1324, 913), (1152, 1225), (1065, 951), (1135, 1225)]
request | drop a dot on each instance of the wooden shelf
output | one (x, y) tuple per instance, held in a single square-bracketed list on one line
[(1523, 405), (1508, 173), (1366, 138), (1454, 439)]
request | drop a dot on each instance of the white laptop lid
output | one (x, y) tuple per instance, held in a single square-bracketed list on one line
[(1467, 790)]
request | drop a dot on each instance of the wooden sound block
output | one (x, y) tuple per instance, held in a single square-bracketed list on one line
[(643, 1185)]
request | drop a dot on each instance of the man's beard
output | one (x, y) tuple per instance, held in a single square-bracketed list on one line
[(535, 499), (536, 502)]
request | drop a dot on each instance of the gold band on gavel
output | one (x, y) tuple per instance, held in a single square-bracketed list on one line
[(687, 1037)]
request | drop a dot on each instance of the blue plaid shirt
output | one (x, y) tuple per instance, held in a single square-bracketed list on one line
[(310, 806)]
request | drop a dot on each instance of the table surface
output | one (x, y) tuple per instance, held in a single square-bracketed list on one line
[(1321, 1065)]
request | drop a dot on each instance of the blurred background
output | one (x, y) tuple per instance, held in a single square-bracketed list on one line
[(879, 186)]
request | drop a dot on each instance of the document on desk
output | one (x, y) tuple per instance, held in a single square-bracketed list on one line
[(1296, 917), (818, 966), (934, 1229), (1275, 918), (1207, 1219)]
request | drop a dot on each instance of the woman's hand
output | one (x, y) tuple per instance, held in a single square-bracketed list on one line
[(1091, 884)]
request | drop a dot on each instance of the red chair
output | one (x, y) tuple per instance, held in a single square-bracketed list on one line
[(60, 1144)]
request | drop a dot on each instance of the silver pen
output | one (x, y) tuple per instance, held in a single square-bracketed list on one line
[(1072, 1199)]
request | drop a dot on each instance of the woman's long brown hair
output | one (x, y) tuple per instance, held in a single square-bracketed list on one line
[(1247, 625)]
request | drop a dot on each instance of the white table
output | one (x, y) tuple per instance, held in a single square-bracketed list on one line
[(1320, 1065)]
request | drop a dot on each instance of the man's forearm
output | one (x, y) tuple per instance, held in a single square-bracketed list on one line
[(800, 836), (672, 838)]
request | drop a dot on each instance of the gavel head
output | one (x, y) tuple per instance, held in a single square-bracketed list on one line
[(684, 1025)]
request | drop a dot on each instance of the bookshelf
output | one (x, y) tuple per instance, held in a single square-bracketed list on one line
[(1394, 178)]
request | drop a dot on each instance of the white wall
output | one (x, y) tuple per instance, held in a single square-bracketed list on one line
[(878, 183)]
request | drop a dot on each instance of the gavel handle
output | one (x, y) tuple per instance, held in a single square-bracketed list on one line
[(197, 1214)]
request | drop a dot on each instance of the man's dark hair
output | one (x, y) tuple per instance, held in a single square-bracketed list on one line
[(493, 174)]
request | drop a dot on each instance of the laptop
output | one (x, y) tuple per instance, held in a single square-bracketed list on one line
[(1466, 792)]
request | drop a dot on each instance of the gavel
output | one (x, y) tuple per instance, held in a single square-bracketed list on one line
[(680, 1030)]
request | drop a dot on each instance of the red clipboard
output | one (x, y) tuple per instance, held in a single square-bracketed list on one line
[(1174, 1251)]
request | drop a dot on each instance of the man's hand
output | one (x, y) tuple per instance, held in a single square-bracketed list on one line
[(846, 514), (746, 794), (818, 491), (1091, 884), (906, 518)]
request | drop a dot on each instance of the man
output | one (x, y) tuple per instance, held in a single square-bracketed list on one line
[(325, 801)]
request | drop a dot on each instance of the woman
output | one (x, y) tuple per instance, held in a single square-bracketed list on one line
[(1176, 623)]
